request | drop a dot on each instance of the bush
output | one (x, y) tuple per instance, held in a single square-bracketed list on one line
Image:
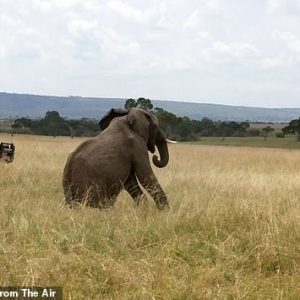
[(253, 132), (280, 135)]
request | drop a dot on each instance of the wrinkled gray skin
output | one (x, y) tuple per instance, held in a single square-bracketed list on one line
[(102, 166)]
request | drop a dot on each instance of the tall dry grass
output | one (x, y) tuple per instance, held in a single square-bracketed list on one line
[(233, 230)]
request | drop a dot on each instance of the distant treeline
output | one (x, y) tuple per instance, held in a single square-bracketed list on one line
[(178, 128), (185, 129), (53, 124)]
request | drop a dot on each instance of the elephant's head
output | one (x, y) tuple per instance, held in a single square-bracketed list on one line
[(146, 125)]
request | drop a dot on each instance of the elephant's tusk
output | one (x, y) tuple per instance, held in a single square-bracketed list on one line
[(170, 141)]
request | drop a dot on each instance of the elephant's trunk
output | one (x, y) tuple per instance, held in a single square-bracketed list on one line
[(162, 147)]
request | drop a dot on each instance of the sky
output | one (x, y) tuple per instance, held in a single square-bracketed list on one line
[(211, 51)]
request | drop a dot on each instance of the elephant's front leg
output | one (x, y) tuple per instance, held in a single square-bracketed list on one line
[(148, 180), (132, 187)]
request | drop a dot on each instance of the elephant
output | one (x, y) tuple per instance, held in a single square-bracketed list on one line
[(117, 158)]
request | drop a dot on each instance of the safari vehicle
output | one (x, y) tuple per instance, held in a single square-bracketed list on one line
[(7, 152)]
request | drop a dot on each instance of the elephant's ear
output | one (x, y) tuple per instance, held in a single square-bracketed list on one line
[(139, 122), (113, 113)]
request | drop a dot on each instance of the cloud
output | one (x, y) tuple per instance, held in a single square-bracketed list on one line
[(171, 49), (283, 6), (55, 4), (192, 21), (22, 44), (126, 10), (273, 63), (230, 52), (79, 27), (290, 40)]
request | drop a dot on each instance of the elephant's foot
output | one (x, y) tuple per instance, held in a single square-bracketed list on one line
[(161, 200), (163, 206)]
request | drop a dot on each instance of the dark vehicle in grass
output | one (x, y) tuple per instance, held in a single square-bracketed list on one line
[(7, 152)]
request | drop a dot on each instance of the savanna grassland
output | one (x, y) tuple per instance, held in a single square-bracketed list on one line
[(233, 229), (288, 142)]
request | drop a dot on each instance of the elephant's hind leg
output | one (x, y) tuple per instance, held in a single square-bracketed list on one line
[(132, 187)]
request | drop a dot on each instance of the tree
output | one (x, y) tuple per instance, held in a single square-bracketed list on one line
[(168, 121), (232, 128), (21, 125), (266, 131), (292, 128), (130, 103), (53, 116), (142, 103), (16, 126), (253, 132), (53, 124), (207, 127)]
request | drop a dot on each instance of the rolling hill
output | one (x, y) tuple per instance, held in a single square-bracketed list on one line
[(35, 106)]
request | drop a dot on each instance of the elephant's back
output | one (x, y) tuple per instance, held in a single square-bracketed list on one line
[(100, 160)]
